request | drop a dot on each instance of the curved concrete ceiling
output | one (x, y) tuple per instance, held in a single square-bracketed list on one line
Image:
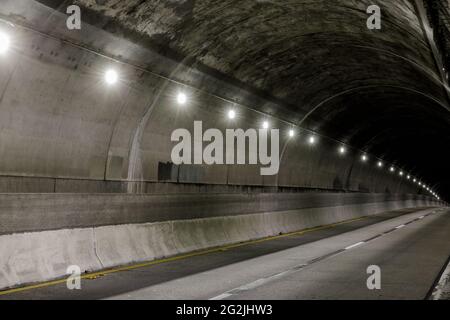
[(439, 15), (378, 90)]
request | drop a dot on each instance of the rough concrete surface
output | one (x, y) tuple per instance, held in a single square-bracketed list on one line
[(376, 91), (404, 256), (39, 256)]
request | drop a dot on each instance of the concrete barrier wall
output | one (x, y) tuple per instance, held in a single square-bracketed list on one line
[(39, 256), (38, 212)]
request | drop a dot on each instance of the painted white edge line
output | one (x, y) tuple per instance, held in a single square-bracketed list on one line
[(354, 245), (222, 296), (442, 286)]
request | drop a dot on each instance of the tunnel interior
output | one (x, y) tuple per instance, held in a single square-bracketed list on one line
[(376, 91), (90, 116)]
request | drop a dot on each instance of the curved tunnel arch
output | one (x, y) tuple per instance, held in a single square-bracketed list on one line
[(348, 91), (276, 55)]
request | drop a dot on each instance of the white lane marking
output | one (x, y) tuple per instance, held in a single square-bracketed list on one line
[(260, 282), (222, 296), (252, 285), (354, 245)]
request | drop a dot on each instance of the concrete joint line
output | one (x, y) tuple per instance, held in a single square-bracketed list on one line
[(94, 237)]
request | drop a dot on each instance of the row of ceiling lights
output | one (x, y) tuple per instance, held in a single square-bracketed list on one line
[(112, 77), (312, 140)]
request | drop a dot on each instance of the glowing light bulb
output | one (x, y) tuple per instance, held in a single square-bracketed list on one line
[(291, 133), (4, 43), (111, 76)]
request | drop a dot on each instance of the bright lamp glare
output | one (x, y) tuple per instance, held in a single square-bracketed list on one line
[(181, 98), (342, 150), (364, 158), (111, 77), (265, 125), (401, 173), (312, 140), (231, 114), (379, 164), (4, 43), (392, 169), (291, 133)]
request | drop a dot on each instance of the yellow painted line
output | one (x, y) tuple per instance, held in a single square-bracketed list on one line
[(175, 258)]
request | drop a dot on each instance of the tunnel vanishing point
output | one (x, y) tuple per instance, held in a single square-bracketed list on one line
[(134, 135)]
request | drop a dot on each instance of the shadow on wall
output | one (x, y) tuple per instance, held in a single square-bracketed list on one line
[(363, 188), (167, 171), (337, 184)]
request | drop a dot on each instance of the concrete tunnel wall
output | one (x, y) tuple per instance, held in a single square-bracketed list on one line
[(38, 212), (64, 130)]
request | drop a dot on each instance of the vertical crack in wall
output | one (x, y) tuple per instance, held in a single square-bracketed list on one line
[(94, 237)]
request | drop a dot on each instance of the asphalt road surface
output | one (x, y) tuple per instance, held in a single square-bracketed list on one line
[(410, 248)]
